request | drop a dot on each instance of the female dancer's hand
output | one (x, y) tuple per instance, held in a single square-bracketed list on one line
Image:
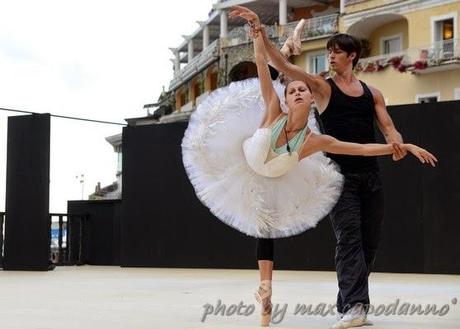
[(247, 14), (423, 155)]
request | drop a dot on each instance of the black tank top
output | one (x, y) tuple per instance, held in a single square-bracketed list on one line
[(351, 119)]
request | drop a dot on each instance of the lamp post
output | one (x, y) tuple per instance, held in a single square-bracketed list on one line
[(81, 179)]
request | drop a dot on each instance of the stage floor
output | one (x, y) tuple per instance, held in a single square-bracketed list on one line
[(102, 297)]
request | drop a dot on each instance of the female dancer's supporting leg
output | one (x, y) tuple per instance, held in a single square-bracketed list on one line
[(264, 292)]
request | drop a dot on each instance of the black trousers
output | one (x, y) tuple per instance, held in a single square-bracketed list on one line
[(357, 221)]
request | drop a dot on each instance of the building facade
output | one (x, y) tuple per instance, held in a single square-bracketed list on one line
[(411, 50)]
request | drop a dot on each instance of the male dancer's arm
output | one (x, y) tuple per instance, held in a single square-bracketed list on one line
[(386, 125), (321, 90), (282, 64)]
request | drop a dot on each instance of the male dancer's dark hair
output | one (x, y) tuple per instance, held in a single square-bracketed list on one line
[(347, 43)]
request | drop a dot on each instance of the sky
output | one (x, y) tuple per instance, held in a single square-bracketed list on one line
[(94, 59)]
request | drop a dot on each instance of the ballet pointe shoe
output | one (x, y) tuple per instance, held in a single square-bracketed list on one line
[(297, 37), (287, 49), (293, 44), (263, 296)]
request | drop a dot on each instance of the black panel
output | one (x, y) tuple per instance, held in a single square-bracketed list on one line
[(165, 225), (441, 187), (101, 233), (402, 238), (27, 224)]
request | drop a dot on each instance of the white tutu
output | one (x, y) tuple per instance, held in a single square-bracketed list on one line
[(259, 206)]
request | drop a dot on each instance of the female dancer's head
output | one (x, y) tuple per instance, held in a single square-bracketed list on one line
[(298, 97)]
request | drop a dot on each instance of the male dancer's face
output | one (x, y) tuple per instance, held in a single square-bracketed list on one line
[(339, 60)]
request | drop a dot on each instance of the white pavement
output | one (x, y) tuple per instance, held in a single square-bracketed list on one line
[(103, 297)]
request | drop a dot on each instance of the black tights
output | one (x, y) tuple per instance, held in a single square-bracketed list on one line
[(265, 249)]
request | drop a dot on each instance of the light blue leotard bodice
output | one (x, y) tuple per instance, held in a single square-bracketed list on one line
[(295, 142)]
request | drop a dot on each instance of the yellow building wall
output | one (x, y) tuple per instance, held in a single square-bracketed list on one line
[(309, 46), (402, 88), (388, 30), (420, 23), (366, 4)]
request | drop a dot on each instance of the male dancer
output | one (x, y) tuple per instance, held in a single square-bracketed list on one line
[(347, 109)]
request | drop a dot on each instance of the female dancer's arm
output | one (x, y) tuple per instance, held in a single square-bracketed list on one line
[(330, 144), (271, 100)]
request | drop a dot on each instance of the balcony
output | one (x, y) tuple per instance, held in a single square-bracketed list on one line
[(439, 56), (240, 36), (315, 28), (197, 64)]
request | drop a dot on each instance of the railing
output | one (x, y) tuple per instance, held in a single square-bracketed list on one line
[(2, 220), (62, 245), (381, 58), (60, 239), (240, 35), (317, 27), (419, 58), (436, 53), (197, 64)]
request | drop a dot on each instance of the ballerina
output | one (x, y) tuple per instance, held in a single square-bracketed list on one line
[(254, 157)]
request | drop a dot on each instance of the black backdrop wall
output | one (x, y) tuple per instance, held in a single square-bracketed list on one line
[(27, 225), (97, 241), (165, 225)]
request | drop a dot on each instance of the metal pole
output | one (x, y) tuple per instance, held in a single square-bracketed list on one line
[(2, 219), (60, 241)]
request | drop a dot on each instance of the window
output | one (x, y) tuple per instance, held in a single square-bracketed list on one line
[(444, 29), (444, 34), (391, 44), (457, 93), (428, 98), (317, 63)]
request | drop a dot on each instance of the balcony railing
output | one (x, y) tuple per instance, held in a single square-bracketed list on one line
[(197, 64), (317, 27), (436, 53), (240, 35), (419, 59)]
